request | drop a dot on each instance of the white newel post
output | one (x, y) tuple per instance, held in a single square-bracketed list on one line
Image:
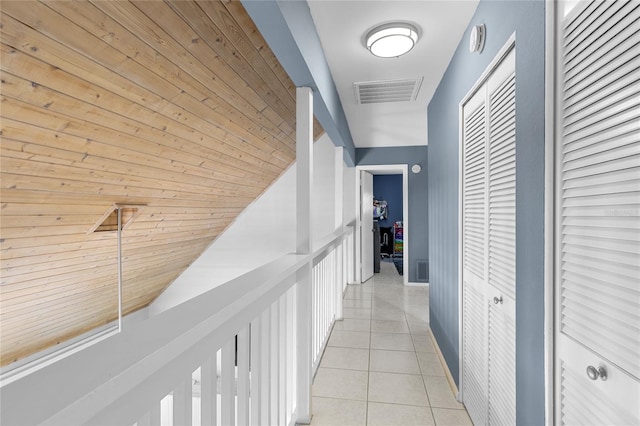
[(304, 182)]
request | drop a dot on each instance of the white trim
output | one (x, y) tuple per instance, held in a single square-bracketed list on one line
[(357, 276), (402, 169), (557, 198), (443, 362), (506, 48), (549, 211), (417, 284), (504, 51), (40, 360)]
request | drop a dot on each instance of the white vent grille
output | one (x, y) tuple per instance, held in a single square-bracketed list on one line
[(372, 92)]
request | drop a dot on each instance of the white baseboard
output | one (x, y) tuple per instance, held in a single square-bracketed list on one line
[(416, 284), (447, 373)]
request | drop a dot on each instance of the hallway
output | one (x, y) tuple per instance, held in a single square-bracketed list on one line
[(379, 367)]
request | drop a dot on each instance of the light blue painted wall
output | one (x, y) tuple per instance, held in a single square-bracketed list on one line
[(502, 18), (417, 214), (288, 28), (389, 189)]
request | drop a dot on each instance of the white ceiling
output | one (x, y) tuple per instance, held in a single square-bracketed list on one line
[(342, 25)]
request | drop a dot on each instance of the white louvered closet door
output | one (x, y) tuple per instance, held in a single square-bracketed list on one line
[(598, 216), (474, 225), (488, 235), (501, 172)]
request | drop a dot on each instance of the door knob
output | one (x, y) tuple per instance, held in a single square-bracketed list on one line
[(497, 300), (593, 373)]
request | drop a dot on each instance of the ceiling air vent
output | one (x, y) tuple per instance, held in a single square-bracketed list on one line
[(373, 92)]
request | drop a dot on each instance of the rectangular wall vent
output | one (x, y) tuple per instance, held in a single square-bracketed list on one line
[(372, 92), (422, 271)]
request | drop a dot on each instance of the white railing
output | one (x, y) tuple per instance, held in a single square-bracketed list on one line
[(229, 356)]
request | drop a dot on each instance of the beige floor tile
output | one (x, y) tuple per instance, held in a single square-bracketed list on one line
[(397, 389), (418, 327), (356, 313), (344, 384), (392, 341), (440, 394), (446, 417), (356, 303), (345, 358), (349, 339), (420, 315), (350, 324), (394, 321), (380, 414), (385, 326), (338, 412), (422, 342), (394, 362), (358, 291), (430, 364), (388, 314), (381, 303)]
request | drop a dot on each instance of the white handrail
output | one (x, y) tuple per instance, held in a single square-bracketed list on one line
[(116, 380)]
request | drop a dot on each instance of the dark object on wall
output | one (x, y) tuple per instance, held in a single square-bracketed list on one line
[(380, 209), (376, 247)]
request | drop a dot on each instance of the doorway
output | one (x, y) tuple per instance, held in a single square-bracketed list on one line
[(365, 247)]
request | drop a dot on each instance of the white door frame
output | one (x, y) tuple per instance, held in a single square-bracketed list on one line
[(550, 207), (400, 169)]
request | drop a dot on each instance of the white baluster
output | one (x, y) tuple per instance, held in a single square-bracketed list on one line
[(228, 378), (275, 349), (304, 344), (209, 391), (282, 359), (290, 351), (151, 418), (243, 376), (265, 368), (182, 403), (256, 355)]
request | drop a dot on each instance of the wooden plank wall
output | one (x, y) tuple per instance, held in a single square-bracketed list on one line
[(178, 105)]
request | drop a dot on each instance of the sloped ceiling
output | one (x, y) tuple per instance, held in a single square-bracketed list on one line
[(179, 106)]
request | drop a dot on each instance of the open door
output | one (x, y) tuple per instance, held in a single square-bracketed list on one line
[(366, 224)]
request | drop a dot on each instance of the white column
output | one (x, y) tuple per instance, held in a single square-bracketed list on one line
[(339, 187), (304, 168), (339, 219), (304, 245)]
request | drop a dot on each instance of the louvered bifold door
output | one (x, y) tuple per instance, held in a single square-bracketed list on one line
[(501, 165), (474, 218), (598, 215)]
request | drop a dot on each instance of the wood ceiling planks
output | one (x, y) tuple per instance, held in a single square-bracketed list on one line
[(178, 105)]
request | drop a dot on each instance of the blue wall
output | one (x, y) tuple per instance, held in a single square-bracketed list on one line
[(288, 28), (417, 214), (389, 189), (502, 18)]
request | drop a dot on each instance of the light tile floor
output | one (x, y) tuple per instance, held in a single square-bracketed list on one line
[(379, 366)]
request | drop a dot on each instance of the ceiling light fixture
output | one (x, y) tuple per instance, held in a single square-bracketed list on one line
[(391, 40)]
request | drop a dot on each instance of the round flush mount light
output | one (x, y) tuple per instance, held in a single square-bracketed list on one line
[(476, 38), (391, 40)]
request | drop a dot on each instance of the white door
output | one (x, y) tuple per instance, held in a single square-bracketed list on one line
[(488, 241), (366, 224), (598, 215)]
